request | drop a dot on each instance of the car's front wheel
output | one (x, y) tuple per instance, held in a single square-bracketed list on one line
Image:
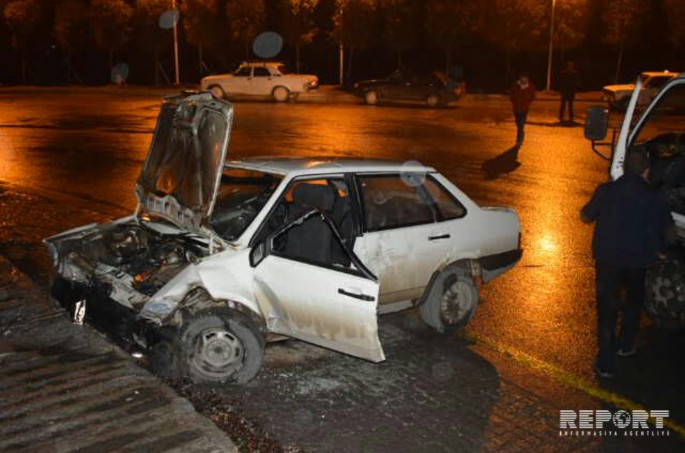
[(221, 346), (432, 100), (281, 94), (371, 97), (218, 92)]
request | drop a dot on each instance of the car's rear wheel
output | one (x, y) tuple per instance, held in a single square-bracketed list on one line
[(221, 346), (218, 92), (281, 94), (458, 301), (432, 100), (371, 97)]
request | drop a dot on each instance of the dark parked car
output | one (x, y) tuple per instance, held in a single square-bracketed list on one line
[(399, 86)]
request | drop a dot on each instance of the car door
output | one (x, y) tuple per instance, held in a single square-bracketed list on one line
[(407, 235), (240, 82), (261, 83), (310, 298)]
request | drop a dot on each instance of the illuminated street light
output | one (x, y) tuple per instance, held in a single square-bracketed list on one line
[(551, 48)]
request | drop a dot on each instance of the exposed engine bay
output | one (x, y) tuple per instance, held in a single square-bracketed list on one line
[(130, 261)]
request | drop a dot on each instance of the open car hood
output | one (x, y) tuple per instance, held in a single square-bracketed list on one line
[(183, 168)]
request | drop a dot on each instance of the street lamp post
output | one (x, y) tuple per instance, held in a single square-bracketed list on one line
[(551, 48), (177, 16)]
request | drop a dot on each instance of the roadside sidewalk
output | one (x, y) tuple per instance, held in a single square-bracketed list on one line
[(65, 388)]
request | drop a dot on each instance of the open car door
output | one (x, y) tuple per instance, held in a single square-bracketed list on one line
[(312, 297)]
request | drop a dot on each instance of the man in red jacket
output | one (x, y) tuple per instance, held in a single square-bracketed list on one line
[(521, 94)]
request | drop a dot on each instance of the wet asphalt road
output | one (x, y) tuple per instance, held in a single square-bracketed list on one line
[(83, 152)]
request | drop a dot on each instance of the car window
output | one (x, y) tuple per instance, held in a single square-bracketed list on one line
[(658, 81), (282, 69), (393, 201), (261, 72), (243, 71), (447, 206), (242, 195), (665, 118), (315, 240)]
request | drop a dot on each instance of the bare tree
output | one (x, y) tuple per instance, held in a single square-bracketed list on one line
[(151, 37), (401, 25), (354, 25), (71, 31), (203, 22), (245, 19), (448, 23), (675, 11), (111, 23), (298, 24), (621, 21), (514, 25), (571, 21), (22, 17)]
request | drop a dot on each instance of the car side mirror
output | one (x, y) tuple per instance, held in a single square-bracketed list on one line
[(597, 123), (258, 253)]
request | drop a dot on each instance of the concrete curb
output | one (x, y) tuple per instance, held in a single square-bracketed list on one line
[(65, 388)]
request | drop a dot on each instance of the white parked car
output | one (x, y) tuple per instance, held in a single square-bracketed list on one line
[(220, 257), (261, 79), (617, 96)]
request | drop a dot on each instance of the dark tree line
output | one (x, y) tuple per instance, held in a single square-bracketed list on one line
[(402, 27)]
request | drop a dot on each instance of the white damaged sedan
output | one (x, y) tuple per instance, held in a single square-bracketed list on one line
[(220, 257)]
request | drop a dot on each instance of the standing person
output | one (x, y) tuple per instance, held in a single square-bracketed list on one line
[(633, 225), (569, 84), (521, 94)]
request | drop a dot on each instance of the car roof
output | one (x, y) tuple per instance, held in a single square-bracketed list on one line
[(297, 166), (660, 73)]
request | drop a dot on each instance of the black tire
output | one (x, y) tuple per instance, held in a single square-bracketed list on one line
[(220, 346), (665, 301), (458, 301)]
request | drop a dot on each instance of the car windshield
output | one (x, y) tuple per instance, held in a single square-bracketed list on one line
[(282, 69), (242, 194)]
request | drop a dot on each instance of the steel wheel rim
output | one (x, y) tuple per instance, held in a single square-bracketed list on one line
[(218, 352), (456, 302)]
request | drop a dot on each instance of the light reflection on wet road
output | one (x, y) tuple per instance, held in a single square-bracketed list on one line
[(88, 150)]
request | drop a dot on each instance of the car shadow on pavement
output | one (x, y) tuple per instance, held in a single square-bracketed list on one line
[(433, 393), (501, 164)]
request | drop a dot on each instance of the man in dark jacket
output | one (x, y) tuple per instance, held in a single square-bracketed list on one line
[(633, 223), (569, 83)]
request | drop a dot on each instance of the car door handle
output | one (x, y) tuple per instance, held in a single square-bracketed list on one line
[(436, 238), (356, 296)]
